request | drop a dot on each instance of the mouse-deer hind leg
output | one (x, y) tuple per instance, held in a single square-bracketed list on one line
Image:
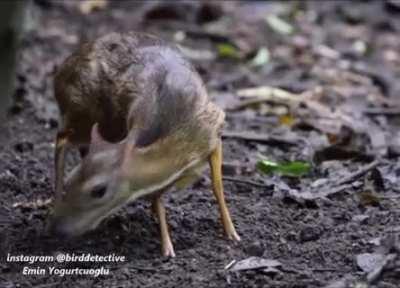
[(215, 161), (159, 211)]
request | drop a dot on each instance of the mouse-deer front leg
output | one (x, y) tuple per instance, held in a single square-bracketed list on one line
[(215, 161), (61, 145), (159, 211)]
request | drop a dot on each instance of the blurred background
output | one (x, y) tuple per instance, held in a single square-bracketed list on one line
[(311, 93)]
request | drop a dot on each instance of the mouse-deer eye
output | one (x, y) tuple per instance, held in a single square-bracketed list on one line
[(98, 192)]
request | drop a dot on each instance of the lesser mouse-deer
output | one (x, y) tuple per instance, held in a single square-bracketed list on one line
[(143, 112)]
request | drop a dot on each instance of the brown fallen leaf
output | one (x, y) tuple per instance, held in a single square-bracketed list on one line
[(373, 183), (287, 120), (369, 198)]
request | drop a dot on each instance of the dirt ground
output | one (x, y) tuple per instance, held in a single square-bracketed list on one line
[(342, 57)]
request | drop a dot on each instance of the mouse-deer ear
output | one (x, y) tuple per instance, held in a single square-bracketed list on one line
[(96, 140), (95, 136)]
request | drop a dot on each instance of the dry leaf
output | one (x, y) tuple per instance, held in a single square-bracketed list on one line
[(268, 92), (262, 57), (253, 263), (369, 261), (287, 120), (369, 198), (88, 6)]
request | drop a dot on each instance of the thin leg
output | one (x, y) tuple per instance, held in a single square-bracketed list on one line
[(166, 243), (61, 143), (215, 161)]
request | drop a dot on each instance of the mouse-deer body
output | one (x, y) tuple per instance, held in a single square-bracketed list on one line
[(144, 113)]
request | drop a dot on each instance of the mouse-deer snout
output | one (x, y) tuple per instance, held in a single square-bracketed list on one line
[(91, 189)]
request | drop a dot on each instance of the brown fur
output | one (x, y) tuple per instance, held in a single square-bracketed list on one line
[(153, 112)]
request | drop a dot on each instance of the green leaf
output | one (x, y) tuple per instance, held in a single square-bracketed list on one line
[(279, 25), (292, 169), (295, 169), (262, 57), (226, 50), (267, 166)]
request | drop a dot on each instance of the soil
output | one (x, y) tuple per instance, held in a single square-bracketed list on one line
[(316, 241)]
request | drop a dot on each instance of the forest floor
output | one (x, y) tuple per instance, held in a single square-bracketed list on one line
[(334, 66)]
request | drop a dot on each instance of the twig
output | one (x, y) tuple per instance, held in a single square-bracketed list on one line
[(336, 190), (248, 182), (262, 94), (233, 262), (390, 197), (269, 93), (364, 170), (383, 111), (259, 137)]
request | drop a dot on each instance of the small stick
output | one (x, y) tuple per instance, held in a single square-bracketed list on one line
[(269, 93), (383, 111), (259, 137), (248, 182), (364, 170), (336, 190), (233, 262)]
